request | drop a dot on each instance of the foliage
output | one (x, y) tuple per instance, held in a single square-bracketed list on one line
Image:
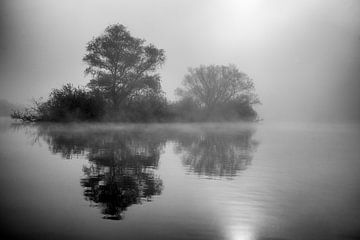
[(122, 65), (185, 110), (218, 93), (65, 104), (149, 107), (27, 115), (214, 84), (125, 87)]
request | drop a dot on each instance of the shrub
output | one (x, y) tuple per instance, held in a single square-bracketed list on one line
[(148, 107), (66, 104)]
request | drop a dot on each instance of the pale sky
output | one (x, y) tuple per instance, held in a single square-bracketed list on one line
[(304, 55)]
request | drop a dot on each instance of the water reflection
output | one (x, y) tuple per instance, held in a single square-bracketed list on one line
[(120, 171), (122, 161), (303, 184), (215, 154)]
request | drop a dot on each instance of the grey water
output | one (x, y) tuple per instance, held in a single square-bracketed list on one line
[(179, 181)]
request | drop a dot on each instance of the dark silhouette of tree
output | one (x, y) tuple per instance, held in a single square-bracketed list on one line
[(122, 66)]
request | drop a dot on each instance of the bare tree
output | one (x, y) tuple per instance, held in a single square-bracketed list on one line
[(213, 85)]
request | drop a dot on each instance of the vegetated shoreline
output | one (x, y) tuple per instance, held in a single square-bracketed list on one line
[(227, 127), (116, 122), (70, 104), (113, 123), (126, 87)]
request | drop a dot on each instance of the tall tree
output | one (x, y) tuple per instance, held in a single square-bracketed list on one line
[(214, 85), (121, 65)]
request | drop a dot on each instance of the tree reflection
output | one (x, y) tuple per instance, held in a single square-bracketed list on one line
[(217, 154), (121, 165), (122, 162)]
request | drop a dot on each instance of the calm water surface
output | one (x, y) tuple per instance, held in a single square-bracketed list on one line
[(179, 181)]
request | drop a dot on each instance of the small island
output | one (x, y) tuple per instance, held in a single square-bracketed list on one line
[(125, 87)]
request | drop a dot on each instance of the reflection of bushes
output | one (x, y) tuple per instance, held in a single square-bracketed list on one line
[(121, 163), (207, 151)]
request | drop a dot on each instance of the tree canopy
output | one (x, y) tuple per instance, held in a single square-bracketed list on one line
[(213, 85), (125, 86), (121, 65)]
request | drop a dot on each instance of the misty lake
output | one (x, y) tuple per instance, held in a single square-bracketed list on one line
[(179, 181)]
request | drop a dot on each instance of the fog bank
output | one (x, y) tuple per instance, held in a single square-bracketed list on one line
[(303, 55)]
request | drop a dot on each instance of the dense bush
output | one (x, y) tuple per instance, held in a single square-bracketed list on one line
[(185, 110), (148, 107), (188, 110), (78, 104), (66, 104)]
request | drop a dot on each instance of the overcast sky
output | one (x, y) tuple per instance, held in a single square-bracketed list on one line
[(304, 55)]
